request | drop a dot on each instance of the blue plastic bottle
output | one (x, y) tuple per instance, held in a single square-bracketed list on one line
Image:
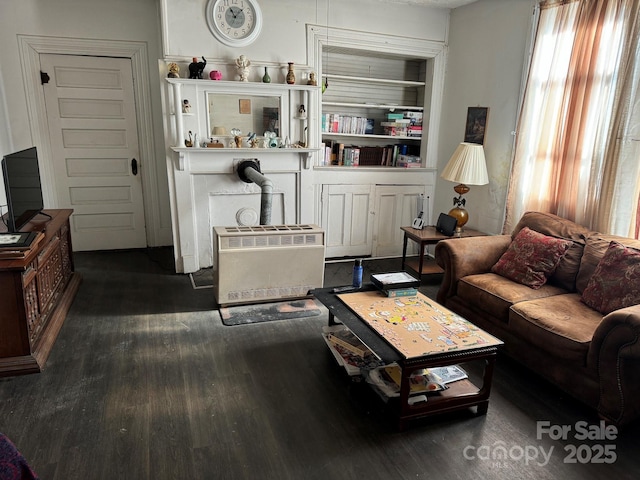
[(357, 273)]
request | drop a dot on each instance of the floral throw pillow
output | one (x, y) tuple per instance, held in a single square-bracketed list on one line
[(615, 282), (531, 258)]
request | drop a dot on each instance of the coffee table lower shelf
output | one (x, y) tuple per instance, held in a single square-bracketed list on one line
[(459, 395)]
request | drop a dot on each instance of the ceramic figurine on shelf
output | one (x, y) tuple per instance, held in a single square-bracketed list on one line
[(215, 75), (237, 137), (312, 79), (196, 68), (302, 112), (174, 70), (186, 106), (189, 142), (291, 76), (243, 64)]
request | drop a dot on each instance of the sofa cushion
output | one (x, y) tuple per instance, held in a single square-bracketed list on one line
[(565, 273), (615, 283), (495, 294), (561, 325), (531, 258), (595, 248)]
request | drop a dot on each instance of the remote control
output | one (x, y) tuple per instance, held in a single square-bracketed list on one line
[(348, 288)]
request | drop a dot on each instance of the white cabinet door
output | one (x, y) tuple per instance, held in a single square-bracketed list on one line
[(395, 206), (346, 219)]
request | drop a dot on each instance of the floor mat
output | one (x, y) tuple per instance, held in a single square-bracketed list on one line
[(267, 312)]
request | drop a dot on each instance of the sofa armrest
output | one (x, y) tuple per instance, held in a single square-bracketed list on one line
[(615, 351), (460, 257)]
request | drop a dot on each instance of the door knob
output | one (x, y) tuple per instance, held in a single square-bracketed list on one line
[(134, 166)]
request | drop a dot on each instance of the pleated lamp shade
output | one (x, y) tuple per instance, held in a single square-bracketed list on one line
[(467, 165)]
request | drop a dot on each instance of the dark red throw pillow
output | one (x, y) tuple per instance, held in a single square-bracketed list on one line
[(531, 258), (615, 282)]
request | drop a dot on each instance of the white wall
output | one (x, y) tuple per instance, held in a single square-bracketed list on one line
[(132, 20), (283, 37), (488, 43)]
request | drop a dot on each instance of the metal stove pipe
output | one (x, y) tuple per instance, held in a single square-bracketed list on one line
[(249, 172)]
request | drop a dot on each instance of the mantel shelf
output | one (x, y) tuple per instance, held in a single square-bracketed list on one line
[(240, 86), (244, 151), (305, 153)]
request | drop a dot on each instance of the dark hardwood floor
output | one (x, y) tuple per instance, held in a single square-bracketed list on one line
[(144, 382)]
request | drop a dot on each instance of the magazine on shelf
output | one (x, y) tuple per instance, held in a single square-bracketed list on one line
[(387, 380), (353, 363), (450, 373)]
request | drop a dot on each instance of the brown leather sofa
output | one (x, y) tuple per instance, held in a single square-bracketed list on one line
[(591, 356)]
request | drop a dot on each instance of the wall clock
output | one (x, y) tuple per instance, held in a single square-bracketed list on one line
[(236, 23)]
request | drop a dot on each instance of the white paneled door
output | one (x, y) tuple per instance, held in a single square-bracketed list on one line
[(94, 144)]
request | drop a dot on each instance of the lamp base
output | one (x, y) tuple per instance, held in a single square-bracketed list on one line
[(462, 217)]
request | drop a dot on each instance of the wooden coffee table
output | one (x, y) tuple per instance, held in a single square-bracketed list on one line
[(417, 333)]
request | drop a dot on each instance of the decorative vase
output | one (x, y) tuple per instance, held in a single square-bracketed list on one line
[(266, 78), (291, 76)]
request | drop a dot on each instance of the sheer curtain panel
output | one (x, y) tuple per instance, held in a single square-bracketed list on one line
[(576, 152)]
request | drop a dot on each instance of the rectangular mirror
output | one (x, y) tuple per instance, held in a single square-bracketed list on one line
[(248, 113)]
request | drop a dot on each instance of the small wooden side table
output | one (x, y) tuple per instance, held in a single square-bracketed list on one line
[(424, 237)]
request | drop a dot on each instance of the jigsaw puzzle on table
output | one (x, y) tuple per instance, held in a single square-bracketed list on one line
[(416, 326)]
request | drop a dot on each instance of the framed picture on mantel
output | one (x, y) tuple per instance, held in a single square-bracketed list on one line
[(476, 124)]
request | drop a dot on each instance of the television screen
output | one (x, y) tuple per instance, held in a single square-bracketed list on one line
[(22, 188)]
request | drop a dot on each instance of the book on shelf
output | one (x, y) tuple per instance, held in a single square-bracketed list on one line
[(401, 292), (394, 281), (348, 124), (338, 153), (347, 340)]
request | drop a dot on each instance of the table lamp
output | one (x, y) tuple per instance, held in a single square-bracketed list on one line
[(466, 166)]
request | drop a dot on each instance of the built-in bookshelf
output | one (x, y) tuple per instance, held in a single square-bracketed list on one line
[(373, 108)]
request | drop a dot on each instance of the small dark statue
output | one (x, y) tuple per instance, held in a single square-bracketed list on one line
[(196, 68)]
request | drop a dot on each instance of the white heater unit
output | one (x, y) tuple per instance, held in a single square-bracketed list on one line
[(267, 262)]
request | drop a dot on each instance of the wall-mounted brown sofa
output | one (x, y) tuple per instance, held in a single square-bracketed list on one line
[(593, 357)]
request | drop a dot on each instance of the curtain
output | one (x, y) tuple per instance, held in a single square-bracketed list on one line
[(573, 155)]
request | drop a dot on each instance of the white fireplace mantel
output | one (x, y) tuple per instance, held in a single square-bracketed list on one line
[(204, 187), (206, 191)]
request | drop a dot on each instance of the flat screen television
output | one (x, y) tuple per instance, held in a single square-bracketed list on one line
[(22, 187)]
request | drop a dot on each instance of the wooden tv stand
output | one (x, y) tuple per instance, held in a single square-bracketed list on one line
[(37, 287)]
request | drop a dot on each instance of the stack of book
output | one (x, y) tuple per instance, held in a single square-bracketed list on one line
[(396, 284), (405, 124), (415, 123), (408, 161)]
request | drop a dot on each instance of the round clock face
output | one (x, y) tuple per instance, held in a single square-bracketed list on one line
[(234, 22)]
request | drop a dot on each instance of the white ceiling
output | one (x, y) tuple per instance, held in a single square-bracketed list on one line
[(434, 3)]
